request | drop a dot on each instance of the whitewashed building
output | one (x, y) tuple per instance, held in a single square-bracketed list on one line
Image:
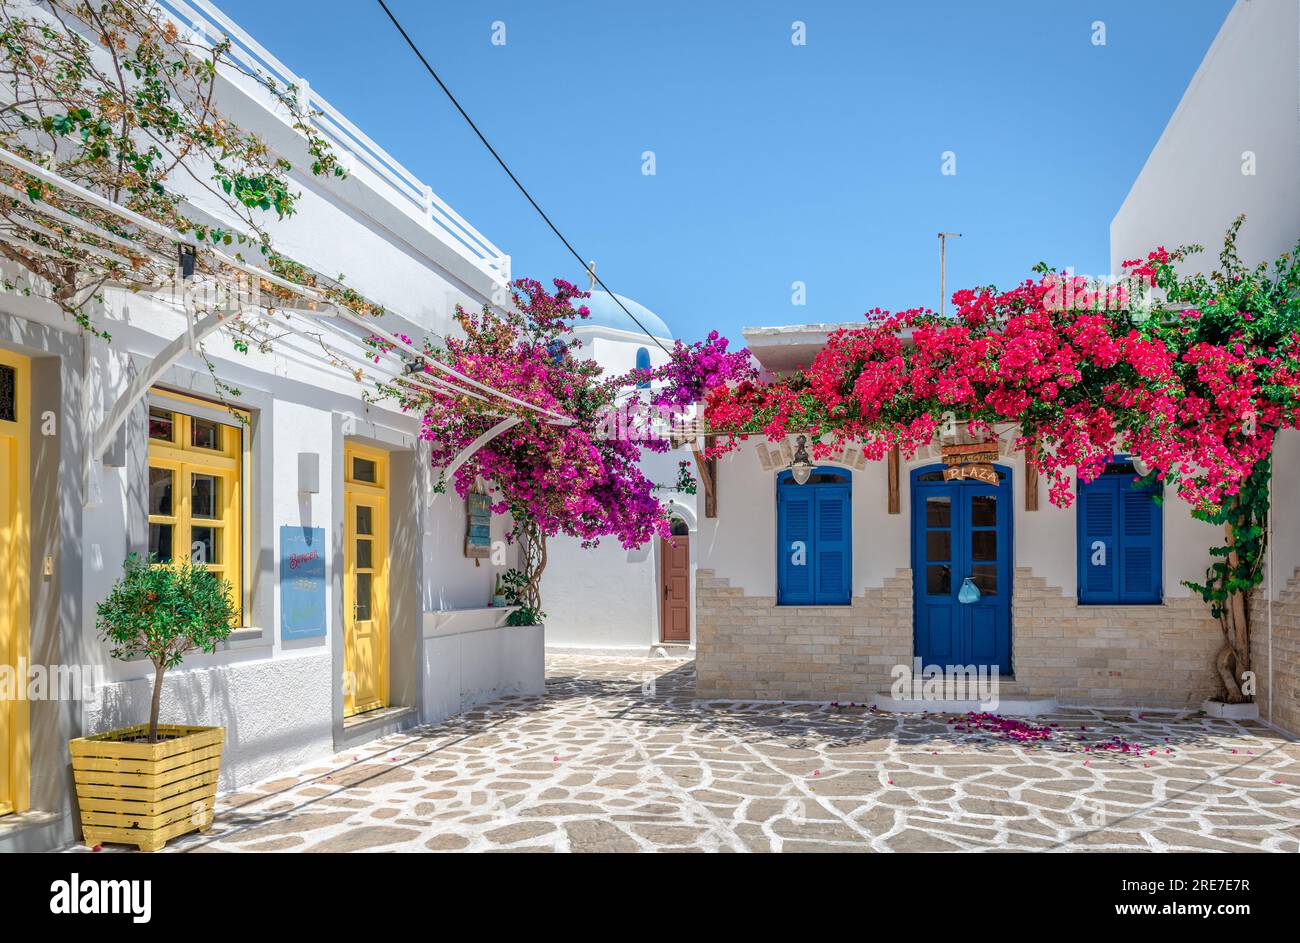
[(360, 611), (888, 548), (1232, 146)]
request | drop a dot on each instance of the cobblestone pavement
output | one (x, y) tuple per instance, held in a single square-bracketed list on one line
[(619, 756)]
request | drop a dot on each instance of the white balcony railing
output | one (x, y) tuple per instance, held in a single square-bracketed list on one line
[(386, 176)]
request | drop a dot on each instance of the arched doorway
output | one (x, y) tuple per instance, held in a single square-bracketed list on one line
[(675, 584)]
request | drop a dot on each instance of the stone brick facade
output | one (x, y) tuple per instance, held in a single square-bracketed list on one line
[(1286, 652), (1137, 656), (748, 647), (1150, 656)]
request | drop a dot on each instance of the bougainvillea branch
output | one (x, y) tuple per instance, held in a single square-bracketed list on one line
[(551, 478), (112, 97)]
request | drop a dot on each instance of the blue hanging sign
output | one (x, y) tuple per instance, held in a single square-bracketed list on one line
[(302, 582)]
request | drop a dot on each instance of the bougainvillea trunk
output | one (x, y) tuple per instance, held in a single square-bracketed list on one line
[(1233, 660), (532, 548)]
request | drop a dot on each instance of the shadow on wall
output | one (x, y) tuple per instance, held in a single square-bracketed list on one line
[(275, 714)]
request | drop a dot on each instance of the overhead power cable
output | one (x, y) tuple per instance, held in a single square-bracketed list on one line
[(522, 189)]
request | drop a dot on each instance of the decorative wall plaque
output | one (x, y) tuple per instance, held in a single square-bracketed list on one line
[(478, 525)]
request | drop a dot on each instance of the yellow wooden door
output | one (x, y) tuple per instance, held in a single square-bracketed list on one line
[(365, 580), (15, 541)]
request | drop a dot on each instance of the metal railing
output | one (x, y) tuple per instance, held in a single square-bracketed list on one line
[(386, 176)]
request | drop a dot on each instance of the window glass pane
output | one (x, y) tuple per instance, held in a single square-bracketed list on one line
[(8, 393), (938, 512), (985, 576), (364, 525), (162, 424), (205, 496), (984, 510), (363, 597), (938, 545), (984, 545), (938, 580), (364, 559), (363, 469), (205, 545), (160, 543), (205, 434), (160, 491)]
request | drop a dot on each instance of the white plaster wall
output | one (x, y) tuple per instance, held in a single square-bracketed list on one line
[(615, 350), (1046, 539), (465, 669), (1243, 97), (603, 597), (276, 711), (740, 544), (457, 581), (1285, 531)]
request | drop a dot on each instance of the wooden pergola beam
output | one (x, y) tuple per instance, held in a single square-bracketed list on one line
[(895, 502), (708, 474)]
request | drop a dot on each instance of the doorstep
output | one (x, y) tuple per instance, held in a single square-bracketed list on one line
[(1012, 706), (360, 728), (34, 831), (681, 651)]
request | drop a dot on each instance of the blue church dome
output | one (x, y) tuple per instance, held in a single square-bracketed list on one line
[(606, 313)]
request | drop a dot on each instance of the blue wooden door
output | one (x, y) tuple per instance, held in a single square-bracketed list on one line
[(961, 529)]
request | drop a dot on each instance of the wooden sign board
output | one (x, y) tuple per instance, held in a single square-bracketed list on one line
[(979, 452), (478, 526), (977, 472)]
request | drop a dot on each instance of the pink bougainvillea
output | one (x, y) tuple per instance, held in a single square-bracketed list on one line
[(1197, 399)]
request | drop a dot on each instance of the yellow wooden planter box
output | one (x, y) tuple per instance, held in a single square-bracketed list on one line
[(146, 794)]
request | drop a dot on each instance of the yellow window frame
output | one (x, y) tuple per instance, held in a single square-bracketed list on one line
[(226, 464)]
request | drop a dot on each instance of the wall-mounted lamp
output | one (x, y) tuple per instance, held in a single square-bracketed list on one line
[(186, 257), (309, 473), (801, 468)]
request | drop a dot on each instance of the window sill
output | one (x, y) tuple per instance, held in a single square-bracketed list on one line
[(244, 638), (1122, 605), (814, 605)]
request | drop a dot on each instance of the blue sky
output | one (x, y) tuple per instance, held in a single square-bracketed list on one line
[(775, 163)]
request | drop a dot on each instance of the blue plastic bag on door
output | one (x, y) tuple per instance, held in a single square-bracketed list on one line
[(969, 592)]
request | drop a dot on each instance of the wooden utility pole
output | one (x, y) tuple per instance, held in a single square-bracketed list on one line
[(943, 249)]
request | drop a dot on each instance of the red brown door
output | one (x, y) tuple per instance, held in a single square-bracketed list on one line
[(675, 589)]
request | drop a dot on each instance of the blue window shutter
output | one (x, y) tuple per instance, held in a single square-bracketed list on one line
[(832, 547), (1098, 521), (795, 523), (643, 363), (1140, 557)]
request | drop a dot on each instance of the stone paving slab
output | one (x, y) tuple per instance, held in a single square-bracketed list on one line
[(620, 756)]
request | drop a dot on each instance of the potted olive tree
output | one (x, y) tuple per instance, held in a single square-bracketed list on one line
[(146, 784)]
